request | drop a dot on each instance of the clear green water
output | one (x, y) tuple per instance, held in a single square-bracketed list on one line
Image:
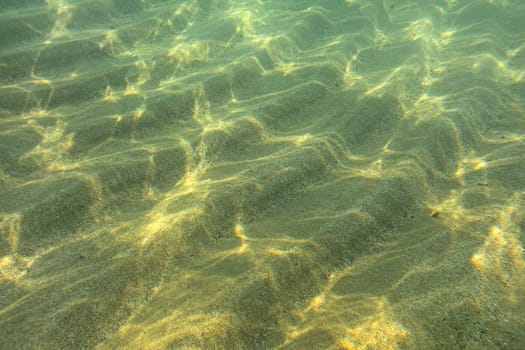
[(262, 174)]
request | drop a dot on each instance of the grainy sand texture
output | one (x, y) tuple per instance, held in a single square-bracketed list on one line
[(251, 174)]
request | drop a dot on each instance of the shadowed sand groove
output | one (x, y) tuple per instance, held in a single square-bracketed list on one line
[(218, 174)]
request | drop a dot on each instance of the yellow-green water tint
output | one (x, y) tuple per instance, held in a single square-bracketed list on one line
[(214, 174)]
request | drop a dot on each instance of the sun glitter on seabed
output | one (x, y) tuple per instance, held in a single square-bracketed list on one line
[(238, 231), (500, 259)]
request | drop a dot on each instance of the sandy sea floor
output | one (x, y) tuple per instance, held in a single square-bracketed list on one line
[(220, 174)]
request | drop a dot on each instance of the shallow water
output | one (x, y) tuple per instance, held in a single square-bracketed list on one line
[(262, 174)]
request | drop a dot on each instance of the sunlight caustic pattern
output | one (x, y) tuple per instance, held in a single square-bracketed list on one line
[(262, 174)]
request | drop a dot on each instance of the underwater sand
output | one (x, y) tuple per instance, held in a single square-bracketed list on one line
[(212, 174)]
